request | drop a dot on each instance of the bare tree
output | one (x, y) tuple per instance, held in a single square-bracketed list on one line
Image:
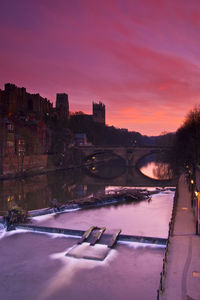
[(186, 148)]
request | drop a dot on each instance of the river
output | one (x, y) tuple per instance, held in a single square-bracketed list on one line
[(34, 266)]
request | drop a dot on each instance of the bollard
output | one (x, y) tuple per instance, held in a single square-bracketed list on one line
[(166, 251), (158, 294), (169, 232), (169, 229), (197, 228), (163, 270), (161, 282), (168, 242), (172, 227)]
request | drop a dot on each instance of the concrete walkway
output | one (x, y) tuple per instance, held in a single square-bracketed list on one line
[(183, 266)]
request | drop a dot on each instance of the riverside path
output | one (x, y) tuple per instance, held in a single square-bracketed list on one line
[(183, 266)]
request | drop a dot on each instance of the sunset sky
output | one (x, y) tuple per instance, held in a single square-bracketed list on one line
[(139, 57)]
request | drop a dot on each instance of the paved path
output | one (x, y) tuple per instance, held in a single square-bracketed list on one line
[(183, 266)]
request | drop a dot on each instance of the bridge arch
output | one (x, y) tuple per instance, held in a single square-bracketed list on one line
[(102, 155), (153, 151), (131, 155), (160, 169)]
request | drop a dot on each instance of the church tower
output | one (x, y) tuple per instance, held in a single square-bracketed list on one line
[(62, 105), (99, 112)]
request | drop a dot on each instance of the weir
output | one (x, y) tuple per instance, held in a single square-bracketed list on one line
[(105, 238)]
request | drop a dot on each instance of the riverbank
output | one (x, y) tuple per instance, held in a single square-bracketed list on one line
[(183, 266), (40, 171), (15, 167)]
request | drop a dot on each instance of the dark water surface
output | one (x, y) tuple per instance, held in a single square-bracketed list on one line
[(38, 191)]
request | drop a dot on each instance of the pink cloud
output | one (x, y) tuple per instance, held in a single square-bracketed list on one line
[(141, 60)]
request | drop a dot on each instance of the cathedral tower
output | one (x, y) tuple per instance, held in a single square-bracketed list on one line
[(62, 105), (99, 112)]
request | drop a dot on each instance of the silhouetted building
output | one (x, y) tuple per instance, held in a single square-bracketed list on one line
[(1, 98), (82, 119), (99, 112), (24, 112), (16, 101), (37, 123), (10, 137), (85, 120), (62, 105)]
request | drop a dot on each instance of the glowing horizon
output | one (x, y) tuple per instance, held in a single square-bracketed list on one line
[(141, 60)]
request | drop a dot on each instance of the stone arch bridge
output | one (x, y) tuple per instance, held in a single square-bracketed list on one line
[(131, 155)]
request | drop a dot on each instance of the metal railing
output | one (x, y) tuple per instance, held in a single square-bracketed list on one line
[(170, 234)]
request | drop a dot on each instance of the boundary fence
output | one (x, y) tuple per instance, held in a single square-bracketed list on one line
[(161, 288)]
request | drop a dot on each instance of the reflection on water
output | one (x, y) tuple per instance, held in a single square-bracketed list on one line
[(154, 166), (157, 170), (58, 275), (145, 218), (110, 169), (39, 191)]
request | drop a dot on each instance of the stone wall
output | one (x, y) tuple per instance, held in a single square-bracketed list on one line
[(14, 163)]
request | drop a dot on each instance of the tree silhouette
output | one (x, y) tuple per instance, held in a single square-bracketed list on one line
[(186, 148)]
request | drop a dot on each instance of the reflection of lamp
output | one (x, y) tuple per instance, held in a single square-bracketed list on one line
[(196, 193), (184, 208), (192, 181)]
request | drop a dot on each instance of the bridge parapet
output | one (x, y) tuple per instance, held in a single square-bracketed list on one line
[(131, 155)]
